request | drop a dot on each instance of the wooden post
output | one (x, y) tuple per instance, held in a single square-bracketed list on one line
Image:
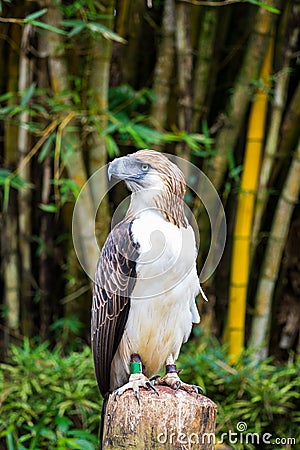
[(170, 421)]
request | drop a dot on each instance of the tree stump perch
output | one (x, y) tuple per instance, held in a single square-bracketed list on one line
[(170, 421)]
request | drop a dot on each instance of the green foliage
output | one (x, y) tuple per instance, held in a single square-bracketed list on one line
[(68, 191), (234, 172), (50, 401), (90, 21), (9, 179), (47, 400), (264, 5), (262, 395), (129, 126), (31, 18), (77, 26)]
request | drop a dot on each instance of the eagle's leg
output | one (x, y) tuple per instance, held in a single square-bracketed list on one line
[(136, 380), (172, 379)]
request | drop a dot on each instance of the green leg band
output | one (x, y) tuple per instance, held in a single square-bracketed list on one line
[(135, 367)]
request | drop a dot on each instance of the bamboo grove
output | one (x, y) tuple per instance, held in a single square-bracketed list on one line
[(216, 83)]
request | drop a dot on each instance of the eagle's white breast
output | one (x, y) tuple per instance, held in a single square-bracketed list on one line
[(163, 304)]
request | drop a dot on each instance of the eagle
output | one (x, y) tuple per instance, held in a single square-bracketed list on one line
[(146, 280)]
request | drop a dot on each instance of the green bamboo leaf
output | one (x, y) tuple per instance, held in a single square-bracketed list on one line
[(47, 147), (76, 30), (264, 5), (78, 26), (106, 32), (74, 23), (46, 26), (7, 179), (7, 96), (136, 137), (112, 148), (18, 182), (111, 128), (10, 110), (28, 94), (171, 137), (149, 135), (4, 173), (51, 207), (35, 15)]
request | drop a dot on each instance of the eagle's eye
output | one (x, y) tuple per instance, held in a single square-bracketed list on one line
[(145, 167)]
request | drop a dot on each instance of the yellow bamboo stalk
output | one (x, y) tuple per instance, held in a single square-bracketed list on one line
[(245, 209), (237, 107)]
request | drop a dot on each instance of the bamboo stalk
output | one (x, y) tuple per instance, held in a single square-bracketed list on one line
[(289, 130), (46, 236), (204, 65), (273, 255), (134, 37), (198, 208), (75, 162), (269, 154), (184, 55), (271, 151), (10, 265), (122, 17), (238, 103), (24, 195), (164, 67), (245, 209), (98, 104)]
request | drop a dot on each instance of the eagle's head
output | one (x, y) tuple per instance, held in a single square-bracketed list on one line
[(148, 169), (154, 180)]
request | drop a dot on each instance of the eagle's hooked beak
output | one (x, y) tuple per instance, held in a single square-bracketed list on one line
[(127, 168), (117, 169)]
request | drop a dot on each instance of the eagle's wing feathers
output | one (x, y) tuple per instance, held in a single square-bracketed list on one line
[(114, 281)]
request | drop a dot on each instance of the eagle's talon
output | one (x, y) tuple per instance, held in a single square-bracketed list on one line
[(137, 396), (173, 381), (150, 386), (178, 386), (154, 378), (135, 382), (198, 390)]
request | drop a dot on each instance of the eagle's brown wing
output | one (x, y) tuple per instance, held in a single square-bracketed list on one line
[(114, 281)]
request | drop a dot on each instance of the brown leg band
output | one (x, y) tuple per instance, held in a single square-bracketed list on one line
[(171, 368)]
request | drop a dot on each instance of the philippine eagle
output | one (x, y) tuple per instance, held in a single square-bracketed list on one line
[(146, 280)]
